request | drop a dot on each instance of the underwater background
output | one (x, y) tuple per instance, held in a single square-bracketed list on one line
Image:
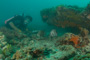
[(59, 30)]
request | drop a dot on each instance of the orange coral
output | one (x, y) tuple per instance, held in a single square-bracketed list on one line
[(75, 40)]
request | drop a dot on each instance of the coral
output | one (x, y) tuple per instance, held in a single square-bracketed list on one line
[(7, 32), (84, 32), (2, 57), (8, 58), (65, 39), (64, 49), (7, 49), (68, 48), (10, 34), (17, 55), (84, 36), (82, 57), (2, 36), (88, 17), (1, 33), (2, 40), (53, 33), (87, 48), (30, 48), (41, 33), (67, 36), (75, 40), (0, 51), (36, 53), (31, 53)]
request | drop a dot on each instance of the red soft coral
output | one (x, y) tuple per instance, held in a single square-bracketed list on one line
[(75, 40)]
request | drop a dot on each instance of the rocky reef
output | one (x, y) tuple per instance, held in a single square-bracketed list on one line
[(67, 16), (5, 48), (77, 41), (32, 48), (82, 57)]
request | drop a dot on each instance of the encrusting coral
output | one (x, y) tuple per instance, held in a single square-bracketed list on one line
[(77, 41)]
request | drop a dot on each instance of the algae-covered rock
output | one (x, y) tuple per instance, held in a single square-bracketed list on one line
[(68, 51), (87, 48), (2, 40), (2, 36), (23, 54), (1, 51), (1, 33), (7, 50), (8, 58), (82, 57), (41, 33), (2, 57), (67, 16)]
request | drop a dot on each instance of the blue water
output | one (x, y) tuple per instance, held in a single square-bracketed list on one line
[(8, 8)]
